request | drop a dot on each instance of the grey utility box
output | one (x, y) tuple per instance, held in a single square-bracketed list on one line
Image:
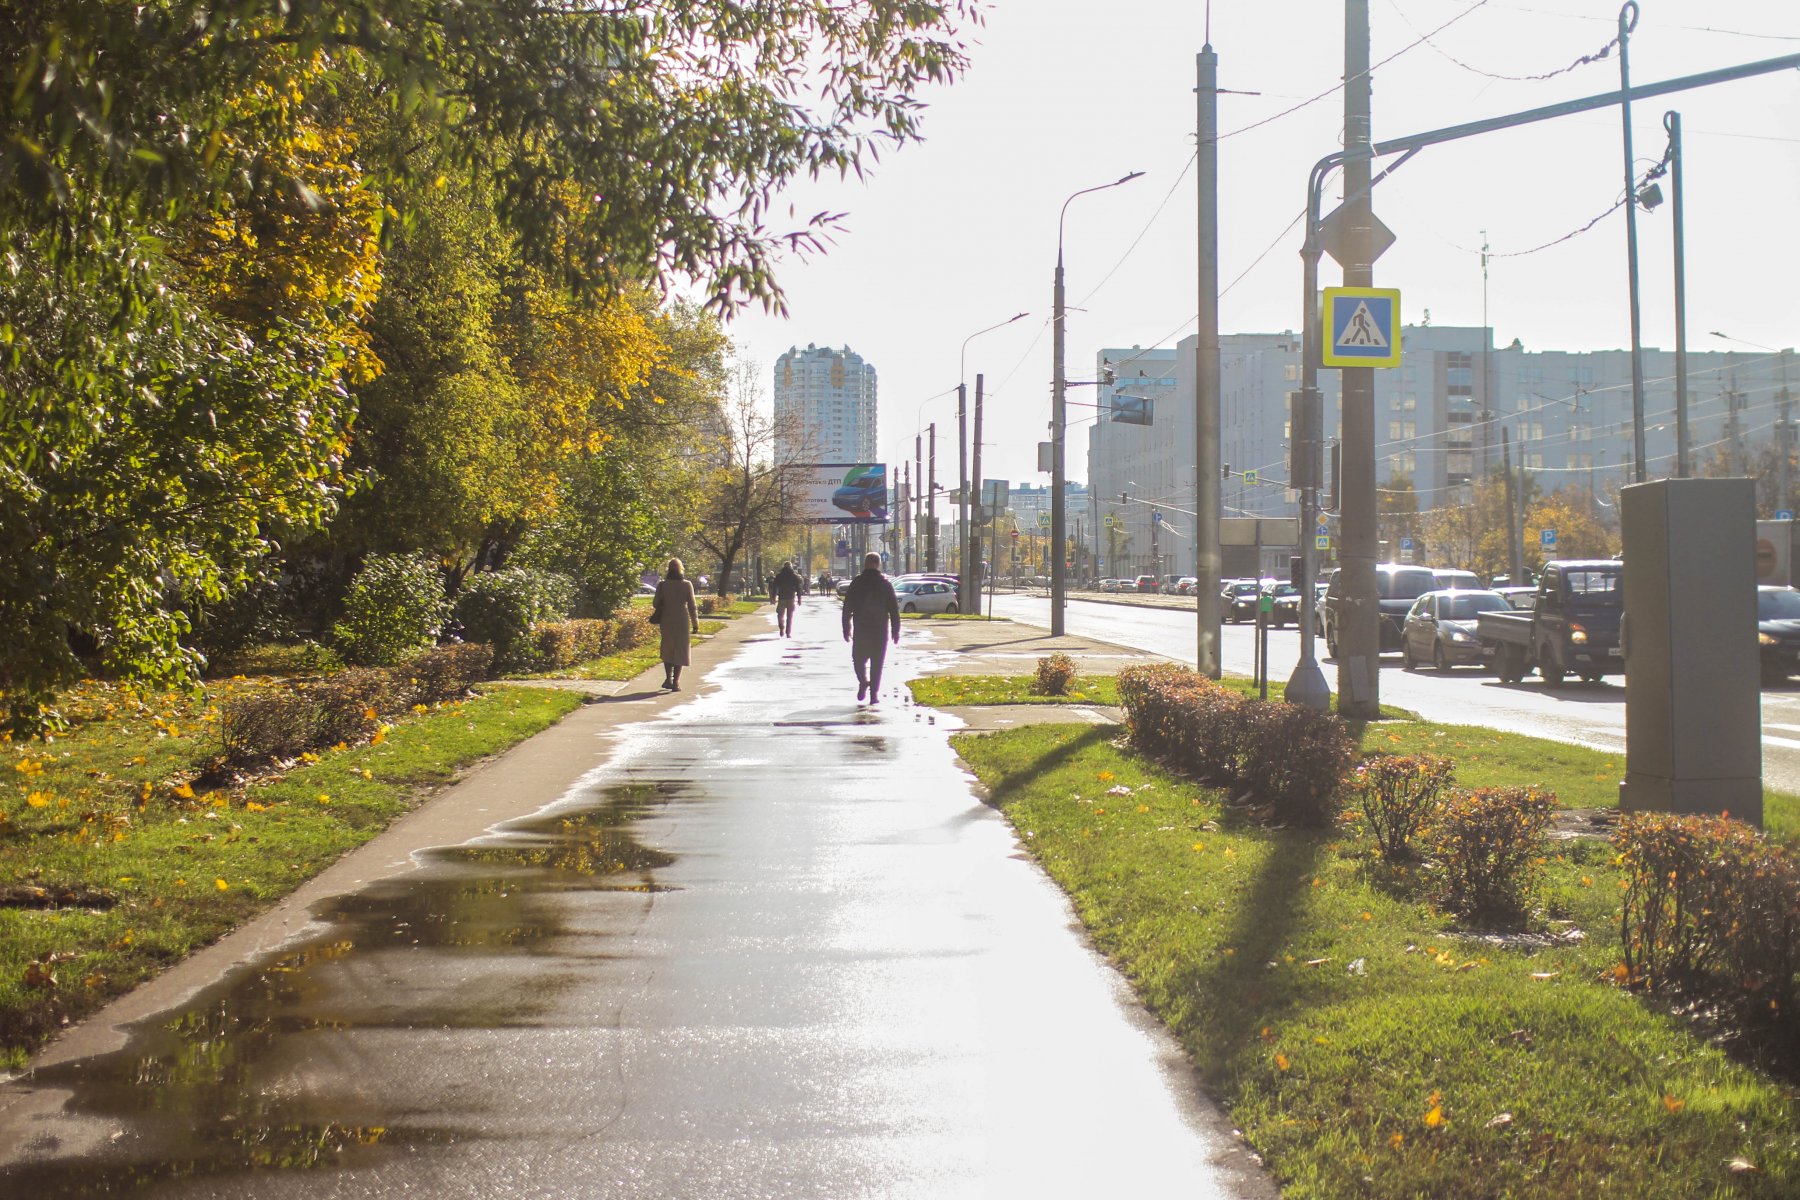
[(1693, 699)]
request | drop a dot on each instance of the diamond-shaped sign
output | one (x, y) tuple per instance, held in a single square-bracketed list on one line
[(1334, 236)]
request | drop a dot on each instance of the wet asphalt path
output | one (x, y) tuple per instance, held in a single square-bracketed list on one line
[(773, 946), (1588, 715)]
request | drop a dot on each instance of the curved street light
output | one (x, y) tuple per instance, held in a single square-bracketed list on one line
[(1058, 422), (967, 586)]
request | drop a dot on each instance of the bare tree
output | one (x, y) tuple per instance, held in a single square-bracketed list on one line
[(744, 493)]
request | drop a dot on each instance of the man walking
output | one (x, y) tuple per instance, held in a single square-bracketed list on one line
[(787, 594), (871, 607)]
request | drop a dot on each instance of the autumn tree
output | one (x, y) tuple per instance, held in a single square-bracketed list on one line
[(744, 492), (1579, 532)]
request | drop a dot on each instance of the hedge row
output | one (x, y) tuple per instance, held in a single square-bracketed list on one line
[(347, 706), (1712, 915), (562, 644), (1289, 757)]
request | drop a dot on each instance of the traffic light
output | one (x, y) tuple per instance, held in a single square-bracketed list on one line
[(1295, 575), (1123, 498), (1225, 473)]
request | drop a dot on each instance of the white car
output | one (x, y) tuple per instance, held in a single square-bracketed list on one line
[(925, 596)]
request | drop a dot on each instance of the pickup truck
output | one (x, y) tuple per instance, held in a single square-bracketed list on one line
[(1573, 629)]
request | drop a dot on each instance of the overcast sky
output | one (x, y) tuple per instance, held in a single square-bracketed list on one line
[(959, 232)]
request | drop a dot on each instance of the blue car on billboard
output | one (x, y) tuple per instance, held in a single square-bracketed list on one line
[(863, 494)]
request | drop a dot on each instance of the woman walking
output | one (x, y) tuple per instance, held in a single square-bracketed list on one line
[(674, 612)]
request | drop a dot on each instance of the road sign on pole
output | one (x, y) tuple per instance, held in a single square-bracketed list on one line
[(1361, 327), (1322, 541), (1252, 476), (1547, 539)]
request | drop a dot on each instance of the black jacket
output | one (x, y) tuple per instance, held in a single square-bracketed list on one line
[(870, 603), (787, 584)]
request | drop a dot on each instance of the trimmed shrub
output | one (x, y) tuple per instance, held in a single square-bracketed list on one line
[(712, 605), (501, 608), (1054, 674), (347, 707), (1711, 911), (1397, 794), (566, 643), (1295, 758), (443, 673), (1490, 844), (632, 628), (1289, 757), (395, 605), (277, 724)]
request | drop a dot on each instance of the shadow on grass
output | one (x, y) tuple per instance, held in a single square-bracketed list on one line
[(1030, 772)]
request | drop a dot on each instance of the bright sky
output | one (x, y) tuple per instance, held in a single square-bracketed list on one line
[(959, 232)]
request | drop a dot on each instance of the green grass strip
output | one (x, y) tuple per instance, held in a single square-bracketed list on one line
[(1362, 1045), (94, 811), (951, 691)]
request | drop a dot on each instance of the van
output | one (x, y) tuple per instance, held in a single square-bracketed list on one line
[(1397, 585)]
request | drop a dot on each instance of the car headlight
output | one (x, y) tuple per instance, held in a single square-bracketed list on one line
[(1578, 635), (1768, 639), (1461, 637)]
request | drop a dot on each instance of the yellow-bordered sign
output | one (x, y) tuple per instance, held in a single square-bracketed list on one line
[(1361, 327)]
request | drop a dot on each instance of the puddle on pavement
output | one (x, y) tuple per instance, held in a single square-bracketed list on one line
[(222, 1086)]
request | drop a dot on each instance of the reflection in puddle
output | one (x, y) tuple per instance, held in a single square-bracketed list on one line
[(240, 1080)]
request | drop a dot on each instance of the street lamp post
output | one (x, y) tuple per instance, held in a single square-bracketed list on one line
[(969, 588), (1059, 424)]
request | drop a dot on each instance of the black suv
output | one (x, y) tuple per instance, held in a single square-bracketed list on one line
[(1397, 585)]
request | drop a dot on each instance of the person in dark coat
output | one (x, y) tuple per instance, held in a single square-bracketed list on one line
[(787, 594), (678, 617), (871, 613)]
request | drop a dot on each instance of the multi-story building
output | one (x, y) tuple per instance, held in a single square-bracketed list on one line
[(824, 406), (1446, 416)]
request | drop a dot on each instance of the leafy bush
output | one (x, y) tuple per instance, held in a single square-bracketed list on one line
[(1054, 674), (500, 608), (1290, 757), (566, 643), (632, 628), (1398, 795), (1490, 846), (1711, 911), (395, 605), (444, 672), (712, 605), (260, 725)]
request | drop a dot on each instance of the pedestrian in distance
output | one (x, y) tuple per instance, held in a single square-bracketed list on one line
[(675, 613), (787, 594), (871, 614)]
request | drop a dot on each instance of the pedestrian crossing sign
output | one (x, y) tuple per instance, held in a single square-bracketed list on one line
[(1362, 327)]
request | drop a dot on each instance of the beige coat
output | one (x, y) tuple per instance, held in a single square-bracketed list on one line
[(680, 617)]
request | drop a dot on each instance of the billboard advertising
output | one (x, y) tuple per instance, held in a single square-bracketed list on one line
[(840, 493)]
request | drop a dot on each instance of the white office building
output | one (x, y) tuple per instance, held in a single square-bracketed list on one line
[(825, 406)]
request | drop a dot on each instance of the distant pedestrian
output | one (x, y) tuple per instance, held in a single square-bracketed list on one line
[(871, 612), (787, 594), (675, 613)]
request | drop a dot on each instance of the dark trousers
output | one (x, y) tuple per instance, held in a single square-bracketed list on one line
[(868, 658), (784, 615)]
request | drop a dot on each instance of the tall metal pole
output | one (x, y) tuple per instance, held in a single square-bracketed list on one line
[(1208, 559), (1683, 444), (962, 474), (1630, 10), (918, 494), (1514, 523), (1058, 423), (1059, 582), (1306, 685), (906, 525), (1359, 633), (931, 525), (975, 498), (1784, 443), (967, 593)]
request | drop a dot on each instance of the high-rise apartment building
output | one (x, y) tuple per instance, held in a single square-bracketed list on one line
[(824, 406)]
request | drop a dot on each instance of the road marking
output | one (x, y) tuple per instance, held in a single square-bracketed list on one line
[(1784, 728), (1788, 743)]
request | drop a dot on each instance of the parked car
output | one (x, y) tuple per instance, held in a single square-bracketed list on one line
[(1185, 585), (925, 596), (1778, 631), (1146, 584), (1449, 578), (1239, 601), (1397, 585), (1440, 628), (1572, 628)]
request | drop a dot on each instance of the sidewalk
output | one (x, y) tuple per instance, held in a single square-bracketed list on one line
[(750, 939)]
